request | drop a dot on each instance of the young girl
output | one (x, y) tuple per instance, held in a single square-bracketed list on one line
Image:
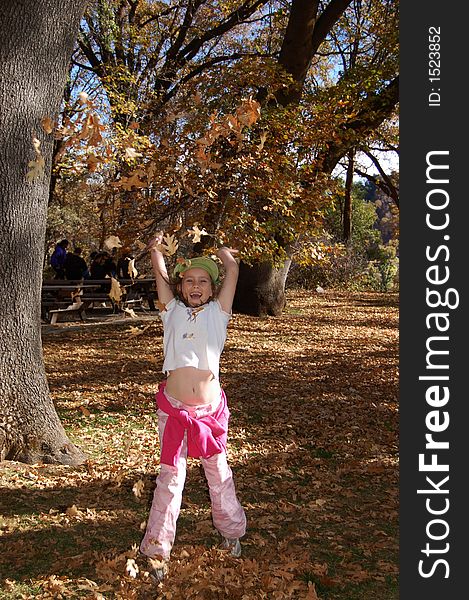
[(192, 410)]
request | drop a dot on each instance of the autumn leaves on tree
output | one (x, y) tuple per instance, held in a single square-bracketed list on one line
[(231, 116)]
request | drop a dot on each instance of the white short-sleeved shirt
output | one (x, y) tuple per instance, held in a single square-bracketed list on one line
[(194, 337)]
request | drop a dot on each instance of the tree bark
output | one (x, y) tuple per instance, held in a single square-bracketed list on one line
[(36, 44), (261, 289), (347, 215)]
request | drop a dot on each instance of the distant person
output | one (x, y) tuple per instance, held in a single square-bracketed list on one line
[(75, 265), (123, 266), (97, 267), (57, 260), (110, 265)]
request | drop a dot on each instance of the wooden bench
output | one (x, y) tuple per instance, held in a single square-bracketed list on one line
[(77, 308), (59, 295)]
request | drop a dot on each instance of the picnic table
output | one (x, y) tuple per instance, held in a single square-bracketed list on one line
[(74, 297), (60, 298)]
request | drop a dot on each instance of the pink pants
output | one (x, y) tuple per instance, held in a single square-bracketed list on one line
[(227, 513)]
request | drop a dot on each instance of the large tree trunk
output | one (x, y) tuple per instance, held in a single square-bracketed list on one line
[(36, 43), (261, 289), (347, 214)]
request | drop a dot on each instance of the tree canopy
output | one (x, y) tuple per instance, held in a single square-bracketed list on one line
[(226, 116)]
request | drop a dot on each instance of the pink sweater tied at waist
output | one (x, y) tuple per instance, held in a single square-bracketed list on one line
[(206, 435)]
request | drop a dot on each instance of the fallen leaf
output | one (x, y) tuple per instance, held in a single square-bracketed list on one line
[(84, 411), (138, 487), (132, 568), (72, 511)]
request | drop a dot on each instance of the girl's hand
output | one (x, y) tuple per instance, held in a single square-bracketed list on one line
[(225, 250), (154, 242)]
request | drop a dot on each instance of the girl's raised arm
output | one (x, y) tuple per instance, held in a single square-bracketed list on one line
[(228, 288), (165, 293)]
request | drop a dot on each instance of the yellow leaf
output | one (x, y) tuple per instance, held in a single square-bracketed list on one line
[(116, 291), (196, 233), (131, 268), (169, 245)]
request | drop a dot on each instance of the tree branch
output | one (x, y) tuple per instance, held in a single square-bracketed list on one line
[(375, 109)]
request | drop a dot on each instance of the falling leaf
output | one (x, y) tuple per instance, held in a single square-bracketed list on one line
[(112, 242), (137, 488), (48, 124), (116, 291), (160, 305), (196, 233), (82, 97), (132, 153), (169, 245), (132, 269), (36, 168)]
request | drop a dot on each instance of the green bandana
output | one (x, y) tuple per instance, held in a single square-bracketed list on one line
[(199, 262)]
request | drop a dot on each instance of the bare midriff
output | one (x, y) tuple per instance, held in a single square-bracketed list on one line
[(193, 386)]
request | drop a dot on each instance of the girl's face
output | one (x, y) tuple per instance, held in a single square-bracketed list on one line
[(196, 287)]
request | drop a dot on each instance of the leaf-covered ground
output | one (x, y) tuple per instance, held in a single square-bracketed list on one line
[(313, 444)]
